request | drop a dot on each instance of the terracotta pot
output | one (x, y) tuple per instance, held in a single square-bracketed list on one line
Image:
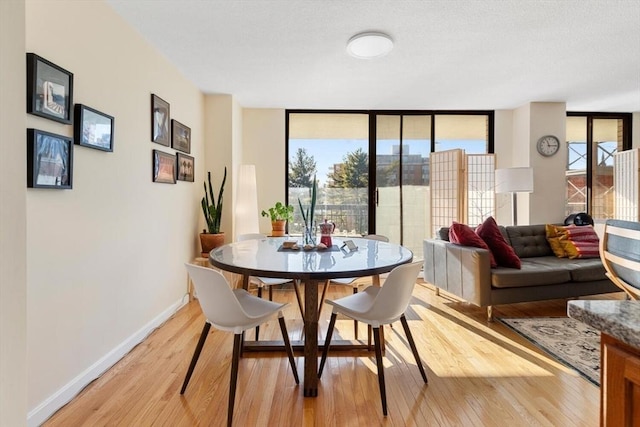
[(277, 227), (209, 242)]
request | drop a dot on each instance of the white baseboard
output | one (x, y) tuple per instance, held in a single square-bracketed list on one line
[(48, 407)]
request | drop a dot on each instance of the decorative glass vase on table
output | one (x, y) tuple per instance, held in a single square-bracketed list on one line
[(309, 237), (309, 232)]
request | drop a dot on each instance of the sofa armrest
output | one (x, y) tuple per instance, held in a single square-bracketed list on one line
[(463, 271)]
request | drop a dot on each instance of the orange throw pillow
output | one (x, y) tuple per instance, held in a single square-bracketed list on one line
[(554, 232)]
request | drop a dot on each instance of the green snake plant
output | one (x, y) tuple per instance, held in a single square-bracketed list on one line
[(213, 211)]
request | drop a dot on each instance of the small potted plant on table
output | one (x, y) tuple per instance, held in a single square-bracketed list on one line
[(279, 214)]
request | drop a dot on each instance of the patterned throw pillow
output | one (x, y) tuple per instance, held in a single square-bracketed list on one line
[(580, 242), (503, 253), (554, 232), (462, 234)]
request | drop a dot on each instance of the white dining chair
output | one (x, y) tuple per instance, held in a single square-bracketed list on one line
[(353, 280), (262, 282), (378, 306), (232, 311)]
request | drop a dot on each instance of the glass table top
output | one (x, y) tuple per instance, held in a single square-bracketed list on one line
[(266, 257)]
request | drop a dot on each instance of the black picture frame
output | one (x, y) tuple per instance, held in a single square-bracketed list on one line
[(49, 90), (185, 165), (180, 137), (92, 128), (49, 160), (160, 120), (164, 167)]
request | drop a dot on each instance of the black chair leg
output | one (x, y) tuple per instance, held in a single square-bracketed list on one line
[(196, 355), (414, 349), (383, 392), (287, 344), (258, 327), (355, 322), (327, 342), (270, 293), (237, 342)]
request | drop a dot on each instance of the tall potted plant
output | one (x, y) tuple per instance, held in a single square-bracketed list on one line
[(211, 237), (279, 214)]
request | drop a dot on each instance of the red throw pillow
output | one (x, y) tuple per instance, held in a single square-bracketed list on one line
[(504, 254), (463, 235)]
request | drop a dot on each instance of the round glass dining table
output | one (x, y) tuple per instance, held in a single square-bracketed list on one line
[(267, 258)]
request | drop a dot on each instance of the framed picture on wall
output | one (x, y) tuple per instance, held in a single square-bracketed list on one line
[(180, 136), (49, 160), (49, 89), (160, 121), (186, 167), (164, 167), (92, 128)]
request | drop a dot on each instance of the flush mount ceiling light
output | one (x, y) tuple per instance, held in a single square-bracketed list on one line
[(369, 45)]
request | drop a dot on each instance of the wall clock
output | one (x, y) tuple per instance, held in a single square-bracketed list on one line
[(548, 145)]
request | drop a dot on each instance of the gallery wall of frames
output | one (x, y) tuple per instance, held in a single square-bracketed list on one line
[(50, 156)]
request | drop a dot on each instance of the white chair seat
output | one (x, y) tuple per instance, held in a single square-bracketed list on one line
[(233, 311), (352, 280), (358, 305), (378, 306)]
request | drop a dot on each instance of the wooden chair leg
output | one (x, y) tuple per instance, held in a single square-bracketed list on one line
[(327, 342), (287, 345), (237, 341), (414, 349), (196, 355), (383, 392)]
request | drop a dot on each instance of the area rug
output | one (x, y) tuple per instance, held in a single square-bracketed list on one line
[(569, 341)]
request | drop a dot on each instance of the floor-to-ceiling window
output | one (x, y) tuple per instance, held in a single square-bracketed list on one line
[(592, 141), (372, 167)]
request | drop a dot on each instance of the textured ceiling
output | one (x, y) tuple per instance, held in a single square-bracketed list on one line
[(448, 54)]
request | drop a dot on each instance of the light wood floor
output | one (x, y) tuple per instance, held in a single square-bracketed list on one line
[(480, 374)]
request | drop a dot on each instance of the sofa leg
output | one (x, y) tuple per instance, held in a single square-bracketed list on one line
[(490, 313), (437, 292)]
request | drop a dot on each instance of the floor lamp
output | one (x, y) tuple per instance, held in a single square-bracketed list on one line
[(514, 180), (246, 211)]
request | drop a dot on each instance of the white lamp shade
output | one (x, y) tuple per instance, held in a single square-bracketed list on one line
[(246, 212), (514, 180)]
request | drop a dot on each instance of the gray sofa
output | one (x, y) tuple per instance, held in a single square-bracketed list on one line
[(466, 273)]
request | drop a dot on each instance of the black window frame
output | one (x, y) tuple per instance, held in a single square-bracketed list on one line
[(627, 120), (372, 140)]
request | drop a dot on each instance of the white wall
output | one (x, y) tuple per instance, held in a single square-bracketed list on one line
[(264, 146), (548, 200), (219, 138), (105, 259), (13, 261), (503, 147)]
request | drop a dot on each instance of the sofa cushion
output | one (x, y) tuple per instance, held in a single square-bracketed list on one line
[(462, 234), (586, 270), (501, 250), (580, 242), (535, 271), (529, 240)]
